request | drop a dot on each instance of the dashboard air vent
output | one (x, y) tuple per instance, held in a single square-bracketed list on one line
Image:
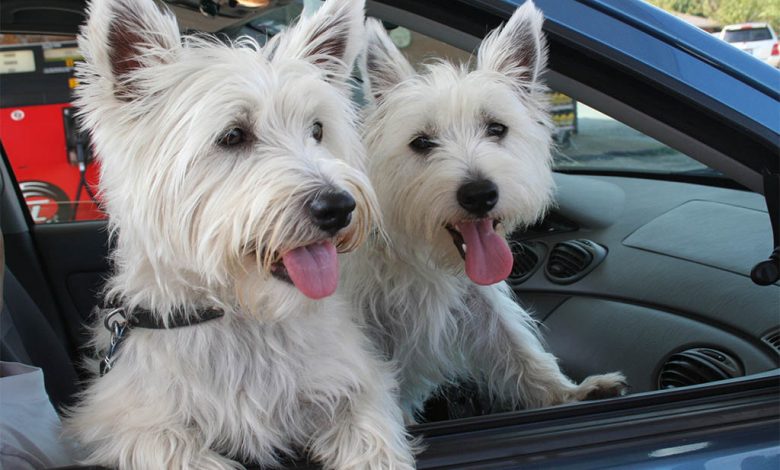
[(571, 260), (698, 366), (528, 256), (773, 340), (551, 224)]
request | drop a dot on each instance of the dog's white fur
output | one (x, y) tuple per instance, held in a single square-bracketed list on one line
[(429, 318), (197, 225)]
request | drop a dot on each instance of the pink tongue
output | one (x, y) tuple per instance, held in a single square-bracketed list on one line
[(488, 257), (314, 269)]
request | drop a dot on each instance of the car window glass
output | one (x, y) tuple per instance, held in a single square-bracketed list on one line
[(50, 158), (268, 23), (588, 139), (747, 35)]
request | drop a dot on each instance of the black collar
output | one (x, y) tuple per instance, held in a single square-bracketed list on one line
[(119, 321), (143, 318)]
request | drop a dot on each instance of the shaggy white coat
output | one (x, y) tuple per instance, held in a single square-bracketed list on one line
[(419, 306), (198, 225)]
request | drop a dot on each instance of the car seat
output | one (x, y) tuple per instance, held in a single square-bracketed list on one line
[(27, 337)]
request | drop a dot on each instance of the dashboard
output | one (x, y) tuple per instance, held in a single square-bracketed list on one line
[(670, 302)]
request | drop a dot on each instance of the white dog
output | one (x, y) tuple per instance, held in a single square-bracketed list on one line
[(459, 156), (230, 176)]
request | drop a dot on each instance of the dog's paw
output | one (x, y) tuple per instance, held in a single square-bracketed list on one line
[(598, 387)]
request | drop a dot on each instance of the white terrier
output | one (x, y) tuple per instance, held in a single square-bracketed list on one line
[(463, 157), (231, 177)]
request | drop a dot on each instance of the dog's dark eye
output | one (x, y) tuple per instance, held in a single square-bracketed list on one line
[(316, 131), (422, 144), (495, 129), (232, 137)]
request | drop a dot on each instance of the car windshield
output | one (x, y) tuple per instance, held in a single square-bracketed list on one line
[(266, 25), (747, 35), (590, 140)]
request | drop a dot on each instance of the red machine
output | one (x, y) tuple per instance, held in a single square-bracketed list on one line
[(51, 159)]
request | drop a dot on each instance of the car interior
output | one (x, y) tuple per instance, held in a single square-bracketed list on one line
[(644, 270)]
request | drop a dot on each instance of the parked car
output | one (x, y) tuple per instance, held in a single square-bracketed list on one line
[(677, 141), (756, 39)]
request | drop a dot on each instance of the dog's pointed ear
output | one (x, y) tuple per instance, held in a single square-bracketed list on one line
[(331, 38), (123, 36), (385, 66), (518, 49)]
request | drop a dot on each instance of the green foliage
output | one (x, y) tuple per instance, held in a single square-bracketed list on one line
[(691, 7), (727, 11)]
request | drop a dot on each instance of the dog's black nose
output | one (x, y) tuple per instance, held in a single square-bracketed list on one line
[(331, 211), (478, 197)]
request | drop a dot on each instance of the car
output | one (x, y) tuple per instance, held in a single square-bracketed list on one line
[(659, 259), (756, 39)]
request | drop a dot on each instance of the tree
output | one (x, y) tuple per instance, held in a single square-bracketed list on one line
[(727, 11), (690, 7), (743, 11)]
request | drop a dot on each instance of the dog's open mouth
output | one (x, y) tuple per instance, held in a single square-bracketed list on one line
[(487, 254), (313, 269), (279, 271)]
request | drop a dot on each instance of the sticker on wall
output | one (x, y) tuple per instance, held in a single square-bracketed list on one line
[(47, 202)]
